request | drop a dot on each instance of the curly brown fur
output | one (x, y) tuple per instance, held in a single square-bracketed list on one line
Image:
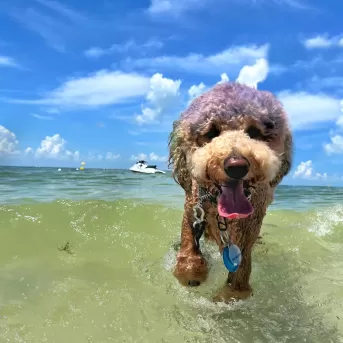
[(229, 120)]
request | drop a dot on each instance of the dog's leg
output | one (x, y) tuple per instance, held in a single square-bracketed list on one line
[(237, 286), (191, 268)]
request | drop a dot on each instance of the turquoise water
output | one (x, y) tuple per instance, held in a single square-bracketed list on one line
[(114, 282)]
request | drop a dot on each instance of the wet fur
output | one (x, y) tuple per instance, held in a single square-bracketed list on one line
[(198, 161)]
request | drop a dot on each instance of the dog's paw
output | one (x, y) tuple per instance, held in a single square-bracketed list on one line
[(229, 295), (190, 270)]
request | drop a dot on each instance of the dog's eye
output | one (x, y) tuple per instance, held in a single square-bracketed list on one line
[(254, 133), (212, 133)]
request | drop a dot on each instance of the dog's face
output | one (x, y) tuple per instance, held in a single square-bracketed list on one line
[(234, 137)]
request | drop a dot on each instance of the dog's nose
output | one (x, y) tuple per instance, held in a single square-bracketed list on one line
[(236, 167)]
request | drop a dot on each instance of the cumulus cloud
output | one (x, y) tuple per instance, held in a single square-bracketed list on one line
[(162, 96), (223, 78), (101, 88), (152, 157), (306, 171), (339, 122), (335, 147), (196, 90), (28, 151), (228, 60), (323, 41), (54, 147), (306, 110), (8, 142), (130, 45), (252, 75)]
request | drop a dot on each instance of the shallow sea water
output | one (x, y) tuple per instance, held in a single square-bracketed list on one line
[(114, 284)]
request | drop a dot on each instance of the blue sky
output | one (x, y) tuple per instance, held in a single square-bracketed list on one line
[(103, 81)]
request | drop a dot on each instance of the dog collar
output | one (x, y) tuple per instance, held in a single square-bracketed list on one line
[(231, 253)]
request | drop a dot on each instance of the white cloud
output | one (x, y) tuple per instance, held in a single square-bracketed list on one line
[(323, 42), (339, 122), (162, 96), (223, 78), (306, 110), (28, 151), (96, 52), (306, 171), (54, 147), (317, 42), (38, 116), (152, 157), (251, 75), (155, 157), (174, 7), (110, 156), (196, 90), (8, 142), (177, 7), (139, 157), (336, 145), (228, 60), (6, 61), (101, 88)]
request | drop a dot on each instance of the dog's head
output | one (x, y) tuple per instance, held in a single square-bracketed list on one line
[(232, 136)]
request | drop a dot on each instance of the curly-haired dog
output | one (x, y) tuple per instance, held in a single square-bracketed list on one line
[(233, 144)]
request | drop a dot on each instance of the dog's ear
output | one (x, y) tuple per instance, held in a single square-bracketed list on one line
[(287, 158), (177, 157)]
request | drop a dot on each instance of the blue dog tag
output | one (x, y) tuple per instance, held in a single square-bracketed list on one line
[(232, 257)]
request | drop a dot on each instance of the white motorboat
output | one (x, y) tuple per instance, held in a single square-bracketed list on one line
[(145, 168)]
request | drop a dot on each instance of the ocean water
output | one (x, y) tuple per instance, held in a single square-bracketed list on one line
[(112, 282)]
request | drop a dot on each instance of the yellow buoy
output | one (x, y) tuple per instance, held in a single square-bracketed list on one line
[(82, 166)]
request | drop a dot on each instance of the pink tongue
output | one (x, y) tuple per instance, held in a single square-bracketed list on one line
[(233, 203)]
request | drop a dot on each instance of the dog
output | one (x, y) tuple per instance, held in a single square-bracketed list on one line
[(229, 150)]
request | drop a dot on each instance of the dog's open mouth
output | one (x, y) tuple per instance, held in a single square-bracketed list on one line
[(233, 202)]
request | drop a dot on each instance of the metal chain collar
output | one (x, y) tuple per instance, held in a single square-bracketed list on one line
[(199, 223)]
